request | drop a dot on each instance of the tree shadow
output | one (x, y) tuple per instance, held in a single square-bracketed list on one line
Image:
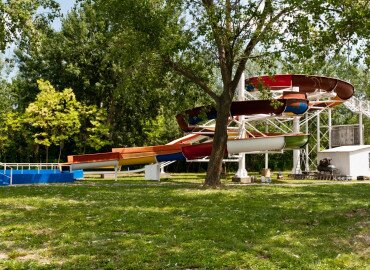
[(157, 226)]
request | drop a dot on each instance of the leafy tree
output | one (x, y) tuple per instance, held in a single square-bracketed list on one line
[(9, 128), (75, 57), (11, 137), (195, 38), (88, 57), (161, 130), (8, 98), (57, 117), (20, 19), (54, 115), (94, 133)]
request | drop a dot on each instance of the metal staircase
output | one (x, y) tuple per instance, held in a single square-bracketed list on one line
[(357, 105)]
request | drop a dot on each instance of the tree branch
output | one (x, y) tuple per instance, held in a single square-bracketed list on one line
[(210, 10), (189, 74), (239, 29), (257, 36), (250, 46)]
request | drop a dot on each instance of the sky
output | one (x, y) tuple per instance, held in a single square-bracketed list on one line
[(65, 6)]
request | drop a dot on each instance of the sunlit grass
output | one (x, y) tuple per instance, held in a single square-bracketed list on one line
[(178, 224)]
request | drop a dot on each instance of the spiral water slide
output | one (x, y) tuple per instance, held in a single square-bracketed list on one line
[(297, 94)]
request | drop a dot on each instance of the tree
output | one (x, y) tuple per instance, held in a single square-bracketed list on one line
[(12, 133), (192, 38), (8, 98), (11, 139), (20, 19), (57, 117), (54, 115), (94, 132), (88, 56)]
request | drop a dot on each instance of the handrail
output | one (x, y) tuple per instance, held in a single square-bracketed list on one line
[(28, 166), (356, 105), (4, 172)]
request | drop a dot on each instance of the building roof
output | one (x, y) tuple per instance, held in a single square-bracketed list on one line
[(347, 148)]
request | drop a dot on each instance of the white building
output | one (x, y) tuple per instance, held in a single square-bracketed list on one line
[(353, 160)]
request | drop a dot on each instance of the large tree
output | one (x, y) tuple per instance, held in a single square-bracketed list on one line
[(89, 57), (20, 19), (57, 116), (54, 116), (204, 39)]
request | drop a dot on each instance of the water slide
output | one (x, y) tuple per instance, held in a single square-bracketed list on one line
[(299, 93), (290, 102), (320, 91)]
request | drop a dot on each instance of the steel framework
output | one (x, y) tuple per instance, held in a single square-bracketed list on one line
[(317, 118)]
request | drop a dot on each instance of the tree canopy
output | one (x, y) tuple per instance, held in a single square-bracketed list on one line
[(20, 19), (88, 57), (54, 115)]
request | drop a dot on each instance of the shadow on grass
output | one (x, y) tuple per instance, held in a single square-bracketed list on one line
[(155, 226)]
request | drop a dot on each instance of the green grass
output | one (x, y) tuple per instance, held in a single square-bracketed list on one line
[(176, 224)]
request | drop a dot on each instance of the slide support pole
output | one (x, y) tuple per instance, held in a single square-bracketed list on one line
[(266, 154), (242, 174), (307, 157), (318, 136), (329, 126), (361, 133), (296, 152)]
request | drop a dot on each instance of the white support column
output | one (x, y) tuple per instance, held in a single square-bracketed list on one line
[(296, 152), (361, 124), (318, 132), (329, 126), (307, 161), (115, 172), (242, 174), (266, 154)]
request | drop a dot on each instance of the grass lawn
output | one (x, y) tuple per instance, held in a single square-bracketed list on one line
[(176, 224)]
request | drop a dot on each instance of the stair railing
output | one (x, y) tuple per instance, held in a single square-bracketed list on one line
[(4, 172)]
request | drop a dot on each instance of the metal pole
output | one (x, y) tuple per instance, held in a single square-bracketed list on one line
[(115, 172), (296, 152), (329, 126), (266, 154), (360, 124), (318, 134), (307, 166)]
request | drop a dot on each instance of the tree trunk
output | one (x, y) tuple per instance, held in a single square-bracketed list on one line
[(111, 116), (60, 151), (213, 177), (47, 153)]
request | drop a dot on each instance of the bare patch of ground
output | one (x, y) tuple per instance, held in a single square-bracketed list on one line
[(3, 256)]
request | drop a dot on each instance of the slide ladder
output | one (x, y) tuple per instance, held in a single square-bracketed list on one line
[(356, 105)]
